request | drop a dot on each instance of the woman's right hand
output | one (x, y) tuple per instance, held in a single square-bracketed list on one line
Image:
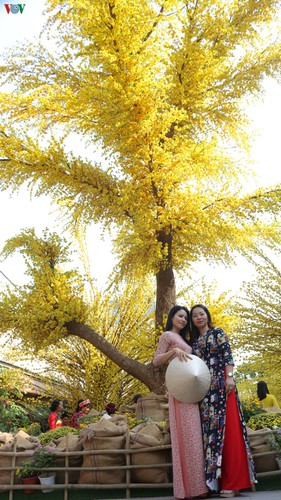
[(182, 355)]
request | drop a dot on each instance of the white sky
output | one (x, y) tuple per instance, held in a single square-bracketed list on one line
[(19, 211)]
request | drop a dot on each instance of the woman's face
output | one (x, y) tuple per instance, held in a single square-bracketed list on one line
[(199, 318), (179, 321), (85, 409), (60, 406)]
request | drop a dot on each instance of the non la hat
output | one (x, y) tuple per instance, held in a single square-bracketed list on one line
[(188, 381)]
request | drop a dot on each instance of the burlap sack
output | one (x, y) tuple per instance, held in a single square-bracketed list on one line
[(145, 436), (258, 444), (152, 405), (128, 408), (165, 408), (266, 463), (93, 412), (71, 441), (5, 461), (105, 435), (24, 443), (258, 437), (273, 409)]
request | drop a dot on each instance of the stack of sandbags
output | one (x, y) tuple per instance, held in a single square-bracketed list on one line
[(154, 406), (108, 435), (6, 445), (258, 444), (71, 443), (148, 436), (24, 443)]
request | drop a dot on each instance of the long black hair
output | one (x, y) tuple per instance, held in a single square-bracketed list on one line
[(194, 330), (55, 404), (111, 408), (262, 390), (169, 324)]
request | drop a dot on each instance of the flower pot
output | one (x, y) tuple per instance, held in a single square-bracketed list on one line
[(47, 481), (278, 460), (29, 480)]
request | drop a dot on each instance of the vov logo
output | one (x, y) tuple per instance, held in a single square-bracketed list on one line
[(14, 8)]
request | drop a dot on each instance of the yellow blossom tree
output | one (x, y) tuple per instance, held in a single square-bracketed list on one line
[(258, 307), (54, 304), (161, 87), (74, 367)]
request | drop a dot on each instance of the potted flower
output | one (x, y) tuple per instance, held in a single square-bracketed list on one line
[(274, 440), (43, 458), (27, 474)]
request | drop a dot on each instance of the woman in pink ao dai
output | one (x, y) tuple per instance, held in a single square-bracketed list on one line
[(185, 426)]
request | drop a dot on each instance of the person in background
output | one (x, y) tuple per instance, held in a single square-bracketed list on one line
[(136, 398), (54, 420), (267, 400), (229, 465), (65, 420), (82, 410), (65, 403), (185, 426), (110, 410)]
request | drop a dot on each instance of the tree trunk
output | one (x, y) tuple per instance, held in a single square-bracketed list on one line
[(153, 377), (166, 295), (165, 280)]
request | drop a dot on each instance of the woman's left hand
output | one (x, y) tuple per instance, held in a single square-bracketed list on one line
[(229, 384)]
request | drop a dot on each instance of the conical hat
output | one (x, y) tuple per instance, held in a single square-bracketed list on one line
[(188, 381)]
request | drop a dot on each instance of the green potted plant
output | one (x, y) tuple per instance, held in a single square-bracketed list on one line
[(27, 474), (43, 458)]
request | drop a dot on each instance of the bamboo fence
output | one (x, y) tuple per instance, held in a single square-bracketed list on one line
[(128, 485)]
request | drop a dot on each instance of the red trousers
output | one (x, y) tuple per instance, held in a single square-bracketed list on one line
[(235, 470)]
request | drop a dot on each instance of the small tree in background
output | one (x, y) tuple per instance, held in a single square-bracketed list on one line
[(259, 310)]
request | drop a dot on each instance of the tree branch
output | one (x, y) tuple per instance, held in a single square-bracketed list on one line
[(148, 374)]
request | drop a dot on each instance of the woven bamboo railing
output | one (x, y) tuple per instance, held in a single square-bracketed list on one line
[(128, 485)]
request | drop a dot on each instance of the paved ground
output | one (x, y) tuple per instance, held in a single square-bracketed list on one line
[(257, 495)]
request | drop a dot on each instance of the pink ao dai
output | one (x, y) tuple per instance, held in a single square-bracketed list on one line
[(186, 434)]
